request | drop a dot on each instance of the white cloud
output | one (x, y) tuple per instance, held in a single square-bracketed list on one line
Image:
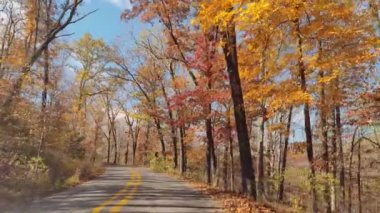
[(122, 4)]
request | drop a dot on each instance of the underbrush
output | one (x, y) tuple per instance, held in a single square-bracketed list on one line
[(39, 177), (231, 201), (159, 164)]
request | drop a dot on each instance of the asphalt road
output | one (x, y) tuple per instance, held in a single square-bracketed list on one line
[(125, 189)]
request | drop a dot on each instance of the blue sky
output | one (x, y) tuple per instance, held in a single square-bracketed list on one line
[(105, 23)]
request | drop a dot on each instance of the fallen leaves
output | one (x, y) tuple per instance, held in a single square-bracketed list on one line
[(230, 201)]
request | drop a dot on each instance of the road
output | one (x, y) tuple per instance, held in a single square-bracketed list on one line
[(125, 189)]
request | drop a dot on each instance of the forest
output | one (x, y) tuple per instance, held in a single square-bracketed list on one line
[(275, 102)]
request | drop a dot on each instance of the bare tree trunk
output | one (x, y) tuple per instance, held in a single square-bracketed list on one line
[(325, 148), (161, 136), (310, 156), (134, 130), (225, 166), (108, 150), (280, 146), (113, 131), (306, 111), (340, 158), (231, 150), (135, 137), (146, 144), (46, 77), (46, 72), (37, 5), (211, 163), (284, 156), (108, 137), (115, 153), (260, 166), (270, 155), (230, 53), (126, 153), (334, 163), (183, 150), (350, 171), (359, 179), (96, 138), (44, 100), (175, 149), (134, 148), (210, 152)]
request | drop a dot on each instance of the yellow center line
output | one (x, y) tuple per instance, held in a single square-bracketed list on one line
[(117, 194), (124, 201)]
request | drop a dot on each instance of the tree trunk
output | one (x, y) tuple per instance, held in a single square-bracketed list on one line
[(161, 136), (270, 155), (340, 155), (37, 6), (175, 152), (350, 171), (284, 156), (115, 144), (210, 152), (173, 129), (183, 150), (108, 150), (280, 144), (260, 165), (146, 144), (359, 179), (126, 153), (334, 163), (44, 101), (306, 111), (225, 166), (46, 78), (135, 138), (46, 71), (230, 53), (210, 138), (325, 148), (93, 154), (134, 148), (231, 150)]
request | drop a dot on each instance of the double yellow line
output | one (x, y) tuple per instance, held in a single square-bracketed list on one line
[(133, 183)]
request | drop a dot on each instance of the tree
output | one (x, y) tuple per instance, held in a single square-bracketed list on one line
[(66, 17), (134, 129), (230, 51)]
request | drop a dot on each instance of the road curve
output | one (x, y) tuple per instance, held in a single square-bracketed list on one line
[(126, 189)]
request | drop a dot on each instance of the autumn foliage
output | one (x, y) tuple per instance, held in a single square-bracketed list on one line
[(265, 101)]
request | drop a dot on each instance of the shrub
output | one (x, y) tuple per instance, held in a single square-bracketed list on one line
[(90, 170), (158, 163), (73, 180)]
